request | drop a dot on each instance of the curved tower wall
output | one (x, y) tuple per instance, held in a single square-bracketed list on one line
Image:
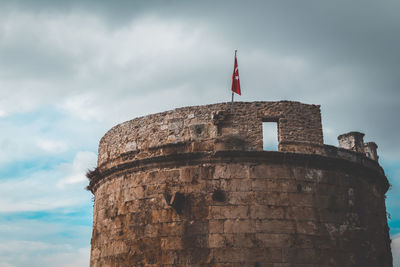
[(201, 128), (191, 187)]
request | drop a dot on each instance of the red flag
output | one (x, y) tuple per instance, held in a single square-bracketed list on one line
[(235, 78)]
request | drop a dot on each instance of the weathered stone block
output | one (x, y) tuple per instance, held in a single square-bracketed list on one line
[(231, 171), (216, 226), (236, 185), (228, 212), (275, 226), (171, 243), (267, 212), (269, 171), (274, 240), (216, 240), (301, 199), (239, 226)]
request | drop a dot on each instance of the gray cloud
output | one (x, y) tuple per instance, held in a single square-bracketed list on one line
[(70, 70), (339, 54)]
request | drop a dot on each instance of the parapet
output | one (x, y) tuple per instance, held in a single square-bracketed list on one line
[(224, 126), (213, 127)]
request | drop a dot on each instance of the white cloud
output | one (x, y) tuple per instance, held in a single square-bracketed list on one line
[(51, 146), (38, 253), (74, 258), (83, 161), (83, 106), (48, 189), (396, 249)]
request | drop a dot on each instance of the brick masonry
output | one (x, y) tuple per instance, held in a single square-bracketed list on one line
[(192, 187)]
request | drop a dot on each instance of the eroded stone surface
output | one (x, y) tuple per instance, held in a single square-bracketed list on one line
[(201, 199), (201, 124)]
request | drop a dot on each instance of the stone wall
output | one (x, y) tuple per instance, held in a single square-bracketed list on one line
[(199, 127), (192, 187), (242, 209)]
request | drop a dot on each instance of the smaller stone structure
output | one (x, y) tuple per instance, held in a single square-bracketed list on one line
[(352, 141), (370, 150)]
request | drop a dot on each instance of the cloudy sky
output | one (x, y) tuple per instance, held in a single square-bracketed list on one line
[(70, 70)]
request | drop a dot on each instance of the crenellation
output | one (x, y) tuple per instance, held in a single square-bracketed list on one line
[(370, 150), (193, 187), (353, 141)]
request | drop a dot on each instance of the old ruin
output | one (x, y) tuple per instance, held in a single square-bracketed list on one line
[(193, 187)]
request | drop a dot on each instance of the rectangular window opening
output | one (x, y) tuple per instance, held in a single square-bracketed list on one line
[(270, 136)]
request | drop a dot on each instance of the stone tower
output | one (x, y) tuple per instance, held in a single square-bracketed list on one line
[(193, 187)]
